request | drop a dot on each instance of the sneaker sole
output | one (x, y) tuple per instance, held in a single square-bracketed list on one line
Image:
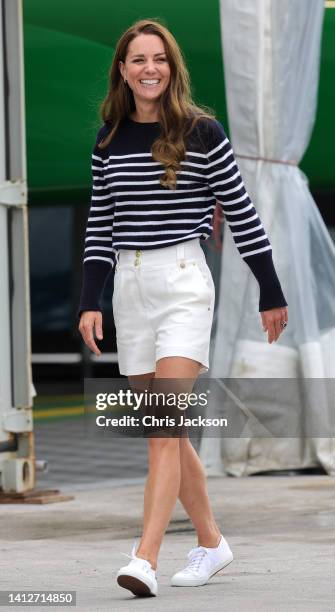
[(221, 568), (190, 584), (135, 585)]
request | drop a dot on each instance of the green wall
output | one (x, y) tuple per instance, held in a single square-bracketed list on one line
[(68, 50)]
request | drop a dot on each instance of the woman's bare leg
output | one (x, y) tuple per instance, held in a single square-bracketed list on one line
[(139, 383), (162, 489), (193, 495), (163, 482), (175, 470)]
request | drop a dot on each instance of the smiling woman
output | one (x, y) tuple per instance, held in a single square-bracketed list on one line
[(159, 166)]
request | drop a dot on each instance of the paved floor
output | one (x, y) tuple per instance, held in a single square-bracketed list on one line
[(77, 459), (281, 530)]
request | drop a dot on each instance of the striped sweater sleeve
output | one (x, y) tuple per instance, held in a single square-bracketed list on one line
[(99, 255), (248, 232)]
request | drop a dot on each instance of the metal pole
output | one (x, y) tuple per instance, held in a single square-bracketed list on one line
[(17, 467)]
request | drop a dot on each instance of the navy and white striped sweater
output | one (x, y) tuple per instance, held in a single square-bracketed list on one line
[(131, 210)]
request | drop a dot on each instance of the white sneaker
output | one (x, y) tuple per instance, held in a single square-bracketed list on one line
[(203, 564), (138, 576)]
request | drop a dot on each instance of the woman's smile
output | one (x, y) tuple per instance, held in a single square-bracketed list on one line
[(150, 84)]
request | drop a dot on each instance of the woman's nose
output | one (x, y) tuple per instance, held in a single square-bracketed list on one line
[(150, 67)]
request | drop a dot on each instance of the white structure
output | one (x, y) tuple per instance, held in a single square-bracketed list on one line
[(271, 54), (17, 467)]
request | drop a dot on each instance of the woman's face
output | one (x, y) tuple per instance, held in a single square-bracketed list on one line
[(146, 60)]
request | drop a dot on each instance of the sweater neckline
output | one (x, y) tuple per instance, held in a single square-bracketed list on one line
[(145, 123)]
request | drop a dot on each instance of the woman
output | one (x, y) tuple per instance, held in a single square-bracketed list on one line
[(159, 165)]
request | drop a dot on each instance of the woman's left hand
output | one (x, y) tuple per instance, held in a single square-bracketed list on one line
[(271, 321)]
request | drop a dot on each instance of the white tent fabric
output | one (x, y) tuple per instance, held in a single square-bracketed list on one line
[(271, 54)]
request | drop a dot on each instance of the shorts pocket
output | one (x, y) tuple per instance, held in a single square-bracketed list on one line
[(191, 279), (116, 291), (205, 275)]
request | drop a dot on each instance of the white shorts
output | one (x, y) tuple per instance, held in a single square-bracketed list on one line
[(163, 304)]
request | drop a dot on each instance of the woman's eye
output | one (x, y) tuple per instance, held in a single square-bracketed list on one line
[(161, 59)]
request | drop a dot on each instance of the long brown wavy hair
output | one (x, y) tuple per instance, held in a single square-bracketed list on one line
[(176, 107)]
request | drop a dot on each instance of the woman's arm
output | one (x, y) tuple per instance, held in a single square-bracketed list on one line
[(99, 255), (249, 235)]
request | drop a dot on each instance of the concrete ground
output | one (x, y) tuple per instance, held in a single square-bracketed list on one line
[(281, 531)]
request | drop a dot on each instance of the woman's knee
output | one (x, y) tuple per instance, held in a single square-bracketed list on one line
[(159, 445)]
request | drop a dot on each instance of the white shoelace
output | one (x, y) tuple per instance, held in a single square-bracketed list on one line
[(145, 565), (196, 555)]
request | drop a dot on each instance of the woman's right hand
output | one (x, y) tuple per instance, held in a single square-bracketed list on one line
[(91, 320)]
